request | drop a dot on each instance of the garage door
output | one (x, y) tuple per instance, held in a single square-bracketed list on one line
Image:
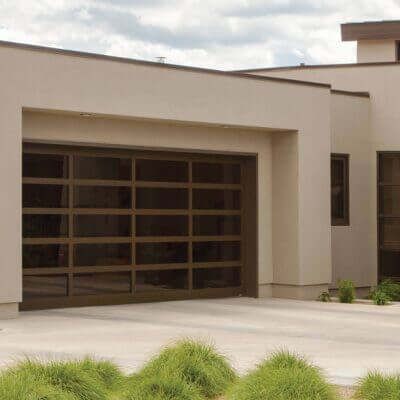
[(115, 226)]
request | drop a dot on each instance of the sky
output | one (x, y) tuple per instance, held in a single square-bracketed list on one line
[(220, 34)]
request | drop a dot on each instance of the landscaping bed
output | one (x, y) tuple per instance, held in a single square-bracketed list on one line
[(385, 293), (187, 370)]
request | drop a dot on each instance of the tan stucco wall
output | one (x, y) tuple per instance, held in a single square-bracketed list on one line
[(353, 254), (382, 82), (48, 81), (376, 51)]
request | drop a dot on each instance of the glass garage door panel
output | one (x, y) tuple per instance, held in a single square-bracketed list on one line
[(44, 286), (161, 253), (216, 173), (216, 251), (127, 226), (44, 196), (102, 254), (162, 225), (44, 225), (98, 283), (211, 278), (214, 225), (162, 198), (44, 255), (44, 166), (102, 197), (216, 199), (102, 225), (162, 171), (176, 279), (102, 168)]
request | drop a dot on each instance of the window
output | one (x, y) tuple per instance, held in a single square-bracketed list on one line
[(398, 50), (340, 189)]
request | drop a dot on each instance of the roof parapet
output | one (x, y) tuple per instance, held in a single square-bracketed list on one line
[(373, 30)]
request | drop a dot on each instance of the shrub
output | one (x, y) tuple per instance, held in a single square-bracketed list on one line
[(104, 371), (162, 387), (24, 386), (376, 386), (283, 377), (196, 363), (346, 291), (390, 288), (380, 298), (70, 377), (325, 297)]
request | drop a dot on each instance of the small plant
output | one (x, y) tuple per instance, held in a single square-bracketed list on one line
[(162, 387), (196, 363), (69, 377), (376, 386), (380, 298), (102, 370), (23, 386), (284, 376), (390, 288), (325, 297), (346, 291)]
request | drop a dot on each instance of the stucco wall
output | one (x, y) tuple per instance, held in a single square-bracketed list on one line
[(376, 51), (382, 82), (353, 254), (44, 80)]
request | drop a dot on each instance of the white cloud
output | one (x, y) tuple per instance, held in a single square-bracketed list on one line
[(222, 34)]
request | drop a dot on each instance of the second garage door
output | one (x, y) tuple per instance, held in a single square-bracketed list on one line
[(108, 226)]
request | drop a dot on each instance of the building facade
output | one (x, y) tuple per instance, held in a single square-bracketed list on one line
[(128, 181)]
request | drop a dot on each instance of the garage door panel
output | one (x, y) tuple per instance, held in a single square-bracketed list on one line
[(162, 170), (44, 255), (107, 168), (102, 197), (128, 227)]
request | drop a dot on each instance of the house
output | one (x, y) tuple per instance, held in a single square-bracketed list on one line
[(129, 181)]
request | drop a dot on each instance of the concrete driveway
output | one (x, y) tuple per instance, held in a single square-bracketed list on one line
[(346, 340)]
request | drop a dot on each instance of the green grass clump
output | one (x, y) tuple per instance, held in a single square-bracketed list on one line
[(25, 386), (389, 287), (71, 377), (376, 386), (325, 297), (108, 373), (346, 291), (193, 362), (162, 387), (283, 377), (380, 298)]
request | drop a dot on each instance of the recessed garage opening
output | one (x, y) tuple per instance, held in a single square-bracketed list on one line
[(121, 226)]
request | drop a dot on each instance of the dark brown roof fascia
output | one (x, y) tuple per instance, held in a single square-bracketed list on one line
[(234, 74), (375, 30), (349, 93), (300, 67)]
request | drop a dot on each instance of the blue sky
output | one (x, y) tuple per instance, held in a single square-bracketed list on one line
[(222, 34)]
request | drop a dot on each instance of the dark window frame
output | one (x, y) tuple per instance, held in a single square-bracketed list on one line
[(345, 220), (398, 50)]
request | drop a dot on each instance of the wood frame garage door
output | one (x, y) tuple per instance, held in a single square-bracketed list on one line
[(107, 226)]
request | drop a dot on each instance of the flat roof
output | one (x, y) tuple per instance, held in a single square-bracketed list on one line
[(343, 65), (232, 74), (371, 30)]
